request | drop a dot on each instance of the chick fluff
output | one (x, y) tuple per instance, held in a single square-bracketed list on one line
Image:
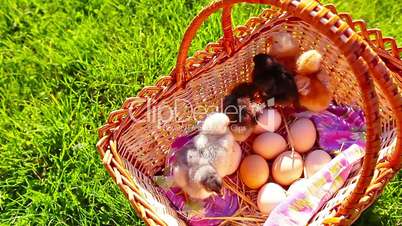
[(312, 82), (243, 106), (202, 163), (274, 80)]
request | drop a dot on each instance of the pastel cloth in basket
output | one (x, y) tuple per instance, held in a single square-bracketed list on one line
[(338, 127), (298, 208)]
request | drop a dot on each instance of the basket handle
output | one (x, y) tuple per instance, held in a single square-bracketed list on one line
[(228, 37), (360, 57), (229, 41)]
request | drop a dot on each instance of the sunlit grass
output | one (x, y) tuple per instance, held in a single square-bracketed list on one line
[(64, 65)]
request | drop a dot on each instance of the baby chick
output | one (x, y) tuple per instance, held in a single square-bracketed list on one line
[(274, 80), (283, 45), (308, 63), (216, 142), (242, 106), (315, 96), (201, 163), (194, 174), (285, 49), (312, 82)]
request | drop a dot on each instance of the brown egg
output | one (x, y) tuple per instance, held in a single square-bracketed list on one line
[(287, 168), (302, 135), (309, 62), (269, 120), (314, 161), (269, 145), (254, 171)]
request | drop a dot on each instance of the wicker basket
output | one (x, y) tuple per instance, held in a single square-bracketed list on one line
[(365, 70)]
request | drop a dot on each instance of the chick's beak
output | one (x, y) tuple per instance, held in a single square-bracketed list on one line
[(217, 187), (218, 191)]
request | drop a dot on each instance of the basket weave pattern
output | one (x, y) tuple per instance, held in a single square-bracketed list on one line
[(363, 72)]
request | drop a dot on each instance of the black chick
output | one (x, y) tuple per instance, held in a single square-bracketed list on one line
[(243, 106), (274, 80)]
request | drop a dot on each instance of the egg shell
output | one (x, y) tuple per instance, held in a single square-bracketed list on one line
[(283, 45), (235, 159), (269, 145), (315, 161), (296, 186), (270, 120), (254, 171), (269, 196), (302, 135), (309, 62), (287, 168), (241, 133)]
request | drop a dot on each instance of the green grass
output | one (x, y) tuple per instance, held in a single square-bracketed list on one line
[(65, 64)]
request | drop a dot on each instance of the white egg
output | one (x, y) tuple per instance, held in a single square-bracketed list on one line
[(270, 120), (269, 145), (302, 135), (287, 168), (269, 196), (315, 161), (297, 186), (236, 159)]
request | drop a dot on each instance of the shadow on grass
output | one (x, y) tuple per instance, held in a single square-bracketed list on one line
[(369, 217)]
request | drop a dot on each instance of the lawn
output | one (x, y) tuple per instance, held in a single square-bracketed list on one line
[(65, 64)]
